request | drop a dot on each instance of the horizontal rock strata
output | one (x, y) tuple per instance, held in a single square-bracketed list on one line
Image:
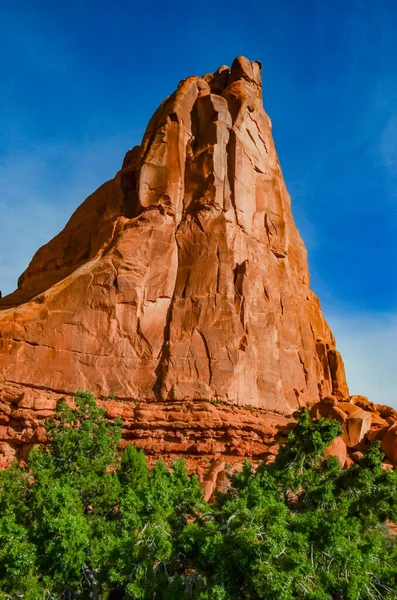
[(199, 430)]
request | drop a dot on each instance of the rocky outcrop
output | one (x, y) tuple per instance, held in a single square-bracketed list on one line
[(201, 431), (180, 284), (363, 423)]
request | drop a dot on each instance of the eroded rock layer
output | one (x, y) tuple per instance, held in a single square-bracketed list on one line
[(181, 281)]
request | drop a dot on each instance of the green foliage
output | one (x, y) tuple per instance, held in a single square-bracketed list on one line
[(83, 519)]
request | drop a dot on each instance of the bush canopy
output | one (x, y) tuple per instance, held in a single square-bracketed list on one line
[(84, 519)]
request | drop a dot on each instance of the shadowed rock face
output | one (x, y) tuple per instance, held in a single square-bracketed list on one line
[(182, 279)]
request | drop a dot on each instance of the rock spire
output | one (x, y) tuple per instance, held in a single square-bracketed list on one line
[(181, 281)]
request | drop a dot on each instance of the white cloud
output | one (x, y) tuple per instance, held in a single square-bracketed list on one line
[(387, 146), (40, 189), (368, 344)]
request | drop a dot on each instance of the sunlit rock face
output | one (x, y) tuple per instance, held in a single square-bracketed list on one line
[(182, 280)]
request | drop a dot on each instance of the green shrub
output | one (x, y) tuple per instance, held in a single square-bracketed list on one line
[(81, 519)]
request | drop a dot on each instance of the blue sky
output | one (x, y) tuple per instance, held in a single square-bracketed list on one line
[(80, 81)]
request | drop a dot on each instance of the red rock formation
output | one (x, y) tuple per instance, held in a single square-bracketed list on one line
[(181, 287), (337, 448), (389, 444), (362, 424)]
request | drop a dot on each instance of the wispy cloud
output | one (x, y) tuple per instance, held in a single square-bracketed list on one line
[(367, 343), (40, 188), (387, 147)]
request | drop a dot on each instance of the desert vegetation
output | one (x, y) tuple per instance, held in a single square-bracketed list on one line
[(82, 518)]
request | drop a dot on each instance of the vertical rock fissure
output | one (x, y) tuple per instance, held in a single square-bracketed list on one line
[(304, 369), (218, 275), (165, 352), (164, 355), (231, 160), (207, 350)]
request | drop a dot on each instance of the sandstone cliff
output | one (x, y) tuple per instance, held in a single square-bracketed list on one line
[(180, 287)]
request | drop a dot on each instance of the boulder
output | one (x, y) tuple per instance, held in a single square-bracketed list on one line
[(337, 448), (349, 409), (377, 421), (387, 465), (356, 426), (386, 411), (376, 433), (389, 444), (356, 456), (327, 411), (362, 402)]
